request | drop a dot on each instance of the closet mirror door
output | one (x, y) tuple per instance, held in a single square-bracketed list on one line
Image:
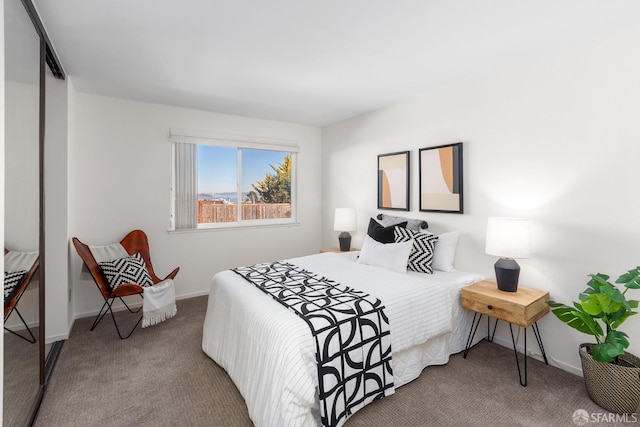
[(22, 358)]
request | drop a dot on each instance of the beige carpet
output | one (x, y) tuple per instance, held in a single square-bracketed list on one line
[(21, 382), (161, 377)]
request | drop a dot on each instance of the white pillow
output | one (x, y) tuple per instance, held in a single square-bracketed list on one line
[(445, 251), (392, 256)]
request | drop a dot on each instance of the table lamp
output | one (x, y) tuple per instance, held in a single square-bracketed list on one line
[(507, 238), (344, 221)]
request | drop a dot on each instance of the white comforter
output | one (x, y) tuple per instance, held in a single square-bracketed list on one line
[(268, 351)]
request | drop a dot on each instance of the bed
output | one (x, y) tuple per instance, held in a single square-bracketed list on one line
[(269, 352)]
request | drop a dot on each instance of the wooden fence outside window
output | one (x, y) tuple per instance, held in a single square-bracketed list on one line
[(214, 211)]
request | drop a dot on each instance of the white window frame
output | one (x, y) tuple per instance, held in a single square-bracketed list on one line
[(240, 142)]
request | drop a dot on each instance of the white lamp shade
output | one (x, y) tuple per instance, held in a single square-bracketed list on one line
[(508, 237), (344, 219)]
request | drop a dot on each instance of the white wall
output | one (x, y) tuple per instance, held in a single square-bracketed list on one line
[(21, 169), (121, 164), (21, 197), (556, 140)]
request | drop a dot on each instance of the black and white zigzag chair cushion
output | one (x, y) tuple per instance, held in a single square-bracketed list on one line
[(421, 256), (11, 281), (131, 269)]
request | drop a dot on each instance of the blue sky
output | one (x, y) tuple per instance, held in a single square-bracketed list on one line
[(217, 170)]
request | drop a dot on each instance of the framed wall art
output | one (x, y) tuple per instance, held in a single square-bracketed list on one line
[(441, 178), (393, 181)]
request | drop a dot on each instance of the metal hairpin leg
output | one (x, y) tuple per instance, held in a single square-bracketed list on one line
[(536, 332), (32, 340), (477, 317), (493, 334), (474, 328), (108, 303), (472, 333)]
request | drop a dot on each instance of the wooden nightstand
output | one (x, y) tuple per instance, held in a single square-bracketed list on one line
[(337, 250), (523, 308)]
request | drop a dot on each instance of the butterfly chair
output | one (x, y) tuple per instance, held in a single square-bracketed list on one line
[(134, 242), (26, 264)]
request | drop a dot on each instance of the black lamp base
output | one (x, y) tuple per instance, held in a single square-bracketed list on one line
[(345, 241), (507, 273)]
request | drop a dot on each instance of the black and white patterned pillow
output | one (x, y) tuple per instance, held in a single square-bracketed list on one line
[(11, 281), (421, 255), (131, 269)]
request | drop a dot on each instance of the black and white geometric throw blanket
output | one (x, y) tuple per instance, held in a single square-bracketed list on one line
[(351, 331)]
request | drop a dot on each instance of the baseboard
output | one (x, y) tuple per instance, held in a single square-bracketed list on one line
[(20, 327), (121, 307), (534, 352), (55, 338), (116, 308), (48, 340), (193, 295)]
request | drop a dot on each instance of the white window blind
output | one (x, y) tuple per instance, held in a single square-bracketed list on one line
[(186, 186), (250, 204)]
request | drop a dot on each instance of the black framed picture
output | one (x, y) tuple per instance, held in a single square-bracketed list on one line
[(393, 181), (441, 179)]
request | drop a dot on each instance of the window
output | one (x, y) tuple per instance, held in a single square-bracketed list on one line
[(231, 182)]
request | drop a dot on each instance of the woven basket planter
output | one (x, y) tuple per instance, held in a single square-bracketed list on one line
[(615, 388)]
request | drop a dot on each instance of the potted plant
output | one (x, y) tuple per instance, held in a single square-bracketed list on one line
[(611, 375)]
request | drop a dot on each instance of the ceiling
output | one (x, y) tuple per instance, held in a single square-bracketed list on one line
[(302, 61)]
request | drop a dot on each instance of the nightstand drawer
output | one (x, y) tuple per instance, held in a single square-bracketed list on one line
[(522, 308)]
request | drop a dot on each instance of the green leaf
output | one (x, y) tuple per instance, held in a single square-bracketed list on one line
[(614, 293), (592, 306), (614, 345), (619, 319), (593, 326), (605, 352), (586, 295), (555, 304), (633, 303), (589, 291), (618, 338), (578, 306), (577, 320), (598, 280), (592, 285), (607, 304), (630, 279)]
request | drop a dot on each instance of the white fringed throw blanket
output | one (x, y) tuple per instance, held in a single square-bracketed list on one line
[(159, 303)]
